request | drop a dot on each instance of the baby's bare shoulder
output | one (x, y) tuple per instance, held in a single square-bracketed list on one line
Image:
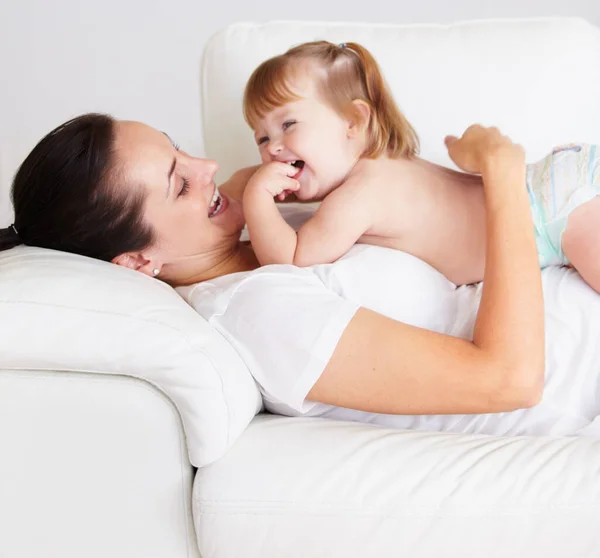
[(368, 166), (382, 172)]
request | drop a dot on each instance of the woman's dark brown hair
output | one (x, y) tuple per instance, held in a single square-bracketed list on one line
[(69, 195)]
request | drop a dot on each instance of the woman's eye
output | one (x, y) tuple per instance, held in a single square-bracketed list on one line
[(185, 188), (262, 140), (287, 124)]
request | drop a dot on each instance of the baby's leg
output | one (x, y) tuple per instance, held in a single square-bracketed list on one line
[(581, 241)]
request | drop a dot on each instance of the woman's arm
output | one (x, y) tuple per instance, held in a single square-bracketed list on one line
[(384, 366)]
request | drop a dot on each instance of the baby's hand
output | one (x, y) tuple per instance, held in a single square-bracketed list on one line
[(275, 179)]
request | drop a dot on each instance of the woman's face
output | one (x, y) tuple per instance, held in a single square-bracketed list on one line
[(193, 224)]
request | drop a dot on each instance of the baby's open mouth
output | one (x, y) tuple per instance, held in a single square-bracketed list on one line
[(216, 204), (299, 165)]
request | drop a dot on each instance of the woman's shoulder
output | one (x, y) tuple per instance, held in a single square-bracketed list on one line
[(395, 284), (268, 282), (372, 267), (364, 275)]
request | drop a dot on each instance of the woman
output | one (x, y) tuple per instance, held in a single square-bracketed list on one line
[(122, 192)]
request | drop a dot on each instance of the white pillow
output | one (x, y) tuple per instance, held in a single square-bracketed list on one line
[(64, 312)]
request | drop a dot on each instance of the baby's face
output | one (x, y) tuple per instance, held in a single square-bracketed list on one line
[(313, 137)]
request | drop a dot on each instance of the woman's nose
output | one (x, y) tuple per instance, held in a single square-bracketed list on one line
[(210, 165), (214, 166), (207, 170)]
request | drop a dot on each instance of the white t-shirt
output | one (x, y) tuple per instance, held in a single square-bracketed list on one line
[(285, 323)]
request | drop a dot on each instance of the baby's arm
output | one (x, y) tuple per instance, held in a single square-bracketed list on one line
[(340, 221), (336, 226), (273, 240), (234, 187)]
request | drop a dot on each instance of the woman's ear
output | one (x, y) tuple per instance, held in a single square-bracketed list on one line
[(138, 262), (359, 119)]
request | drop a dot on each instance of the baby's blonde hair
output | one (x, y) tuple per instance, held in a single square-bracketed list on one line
[(351, 73)]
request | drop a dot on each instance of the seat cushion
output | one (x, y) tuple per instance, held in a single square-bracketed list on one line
[(308, 488)]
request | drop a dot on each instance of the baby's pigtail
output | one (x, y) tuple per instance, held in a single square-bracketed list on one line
[(389, 130)]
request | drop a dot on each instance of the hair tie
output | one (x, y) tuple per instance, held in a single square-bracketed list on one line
[(14, 230), (342, 46)]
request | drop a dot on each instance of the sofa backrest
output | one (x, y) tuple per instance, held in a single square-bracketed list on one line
[(537, 79)]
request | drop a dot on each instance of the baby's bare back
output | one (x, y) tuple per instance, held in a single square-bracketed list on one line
[(429, 211)]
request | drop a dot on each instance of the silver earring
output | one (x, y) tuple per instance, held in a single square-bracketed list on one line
[(156, 271)]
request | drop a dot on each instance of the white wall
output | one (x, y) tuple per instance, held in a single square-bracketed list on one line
[(139, 59)]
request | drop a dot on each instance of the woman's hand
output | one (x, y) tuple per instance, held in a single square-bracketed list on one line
[(479, 146), (275, 179)]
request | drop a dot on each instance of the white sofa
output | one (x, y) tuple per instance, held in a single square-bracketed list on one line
[(96, 438)]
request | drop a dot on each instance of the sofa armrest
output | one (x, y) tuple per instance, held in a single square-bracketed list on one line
[(92, 465)]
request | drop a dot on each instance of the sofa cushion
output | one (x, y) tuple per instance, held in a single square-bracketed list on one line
[(63, 312), (351, 490)]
